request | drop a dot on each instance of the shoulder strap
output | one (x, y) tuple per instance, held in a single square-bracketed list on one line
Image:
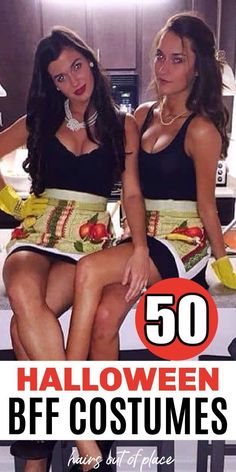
[(189, 119), (148, 118), (184, 127)]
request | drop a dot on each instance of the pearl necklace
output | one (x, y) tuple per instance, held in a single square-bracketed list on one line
[(167, 123), (75, 125)]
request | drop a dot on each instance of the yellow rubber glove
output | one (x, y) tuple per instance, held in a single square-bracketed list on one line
[(11, 203), (225, 272)]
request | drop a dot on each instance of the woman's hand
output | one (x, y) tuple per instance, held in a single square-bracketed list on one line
[(136, 273)]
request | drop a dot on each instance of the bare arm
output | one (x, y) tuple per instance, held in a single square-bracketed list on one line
[(132, 196), (140, 115), (203, 143), (12, 138), (137, 268)]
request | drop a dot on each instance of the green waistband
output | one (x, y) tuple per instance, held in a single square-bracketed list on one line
[(175, 208), (90, 206)]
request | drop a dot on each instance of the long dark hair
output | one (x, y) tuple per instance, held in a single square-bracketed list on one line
[(45, 106), (206, 95)]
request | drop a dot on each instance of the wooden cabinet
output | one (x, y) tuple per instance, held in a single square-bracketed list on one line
[(112, 29), (69, 13), (153, 16), (228, 44), (228, 31), (19, 35), (121, 31), (208, 9), (109, 28)]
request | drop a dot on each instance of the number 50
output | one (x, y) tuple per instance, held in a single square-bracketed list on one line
[(189, 321)]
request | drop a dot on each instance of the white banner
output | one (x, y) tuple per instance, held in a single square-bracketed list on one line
[(119, 400)]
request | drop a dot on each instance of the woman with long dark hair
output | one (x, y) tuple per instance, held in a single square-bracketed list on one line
[(183, 135), (78, 145)]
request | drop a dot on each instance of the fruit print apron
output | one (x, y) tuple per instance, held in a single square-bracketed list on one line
[(73, 223), (178, 226)]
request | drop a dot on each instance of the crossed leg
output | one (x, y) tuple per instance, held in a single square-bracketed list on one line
[(111, 312), (113, 304), (98, 275), (98, 310)]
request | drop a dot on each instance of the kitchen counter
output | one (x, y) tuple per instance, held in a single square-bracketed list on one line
[(224, 297)]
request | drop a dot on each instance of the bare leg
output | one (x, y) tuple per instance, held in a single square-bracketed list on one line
[(86, 448), (36, 466), (18, 348), (25, 276), (93, 273), (110, 314), (59, 297)]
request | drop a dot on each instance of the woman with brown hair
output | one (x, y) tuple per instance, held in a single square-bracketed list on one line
[(183, 135)]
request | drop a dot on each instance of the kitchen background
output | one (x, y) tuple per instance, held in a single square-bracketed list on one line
[(121, 33)]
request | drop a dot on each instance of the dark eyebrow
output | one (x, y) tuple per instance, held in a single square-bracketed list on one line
[(58, 75), (72, 65), (178, 54), (173, 54), (77, 59)]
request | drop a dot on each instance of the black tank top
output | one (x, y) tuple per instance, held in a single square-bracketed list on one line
[(90, 173), (169, 173)]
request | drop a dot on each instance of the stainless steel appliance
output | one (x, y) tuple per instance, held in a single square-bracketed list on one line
[(221, 174), (124, 89)]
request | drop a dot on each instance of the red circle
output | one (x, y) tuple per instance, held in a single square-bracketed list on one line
[(179, 288)]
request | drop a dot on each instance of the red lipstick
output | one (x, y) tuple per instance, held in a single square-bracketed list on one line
[(80, 90)]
